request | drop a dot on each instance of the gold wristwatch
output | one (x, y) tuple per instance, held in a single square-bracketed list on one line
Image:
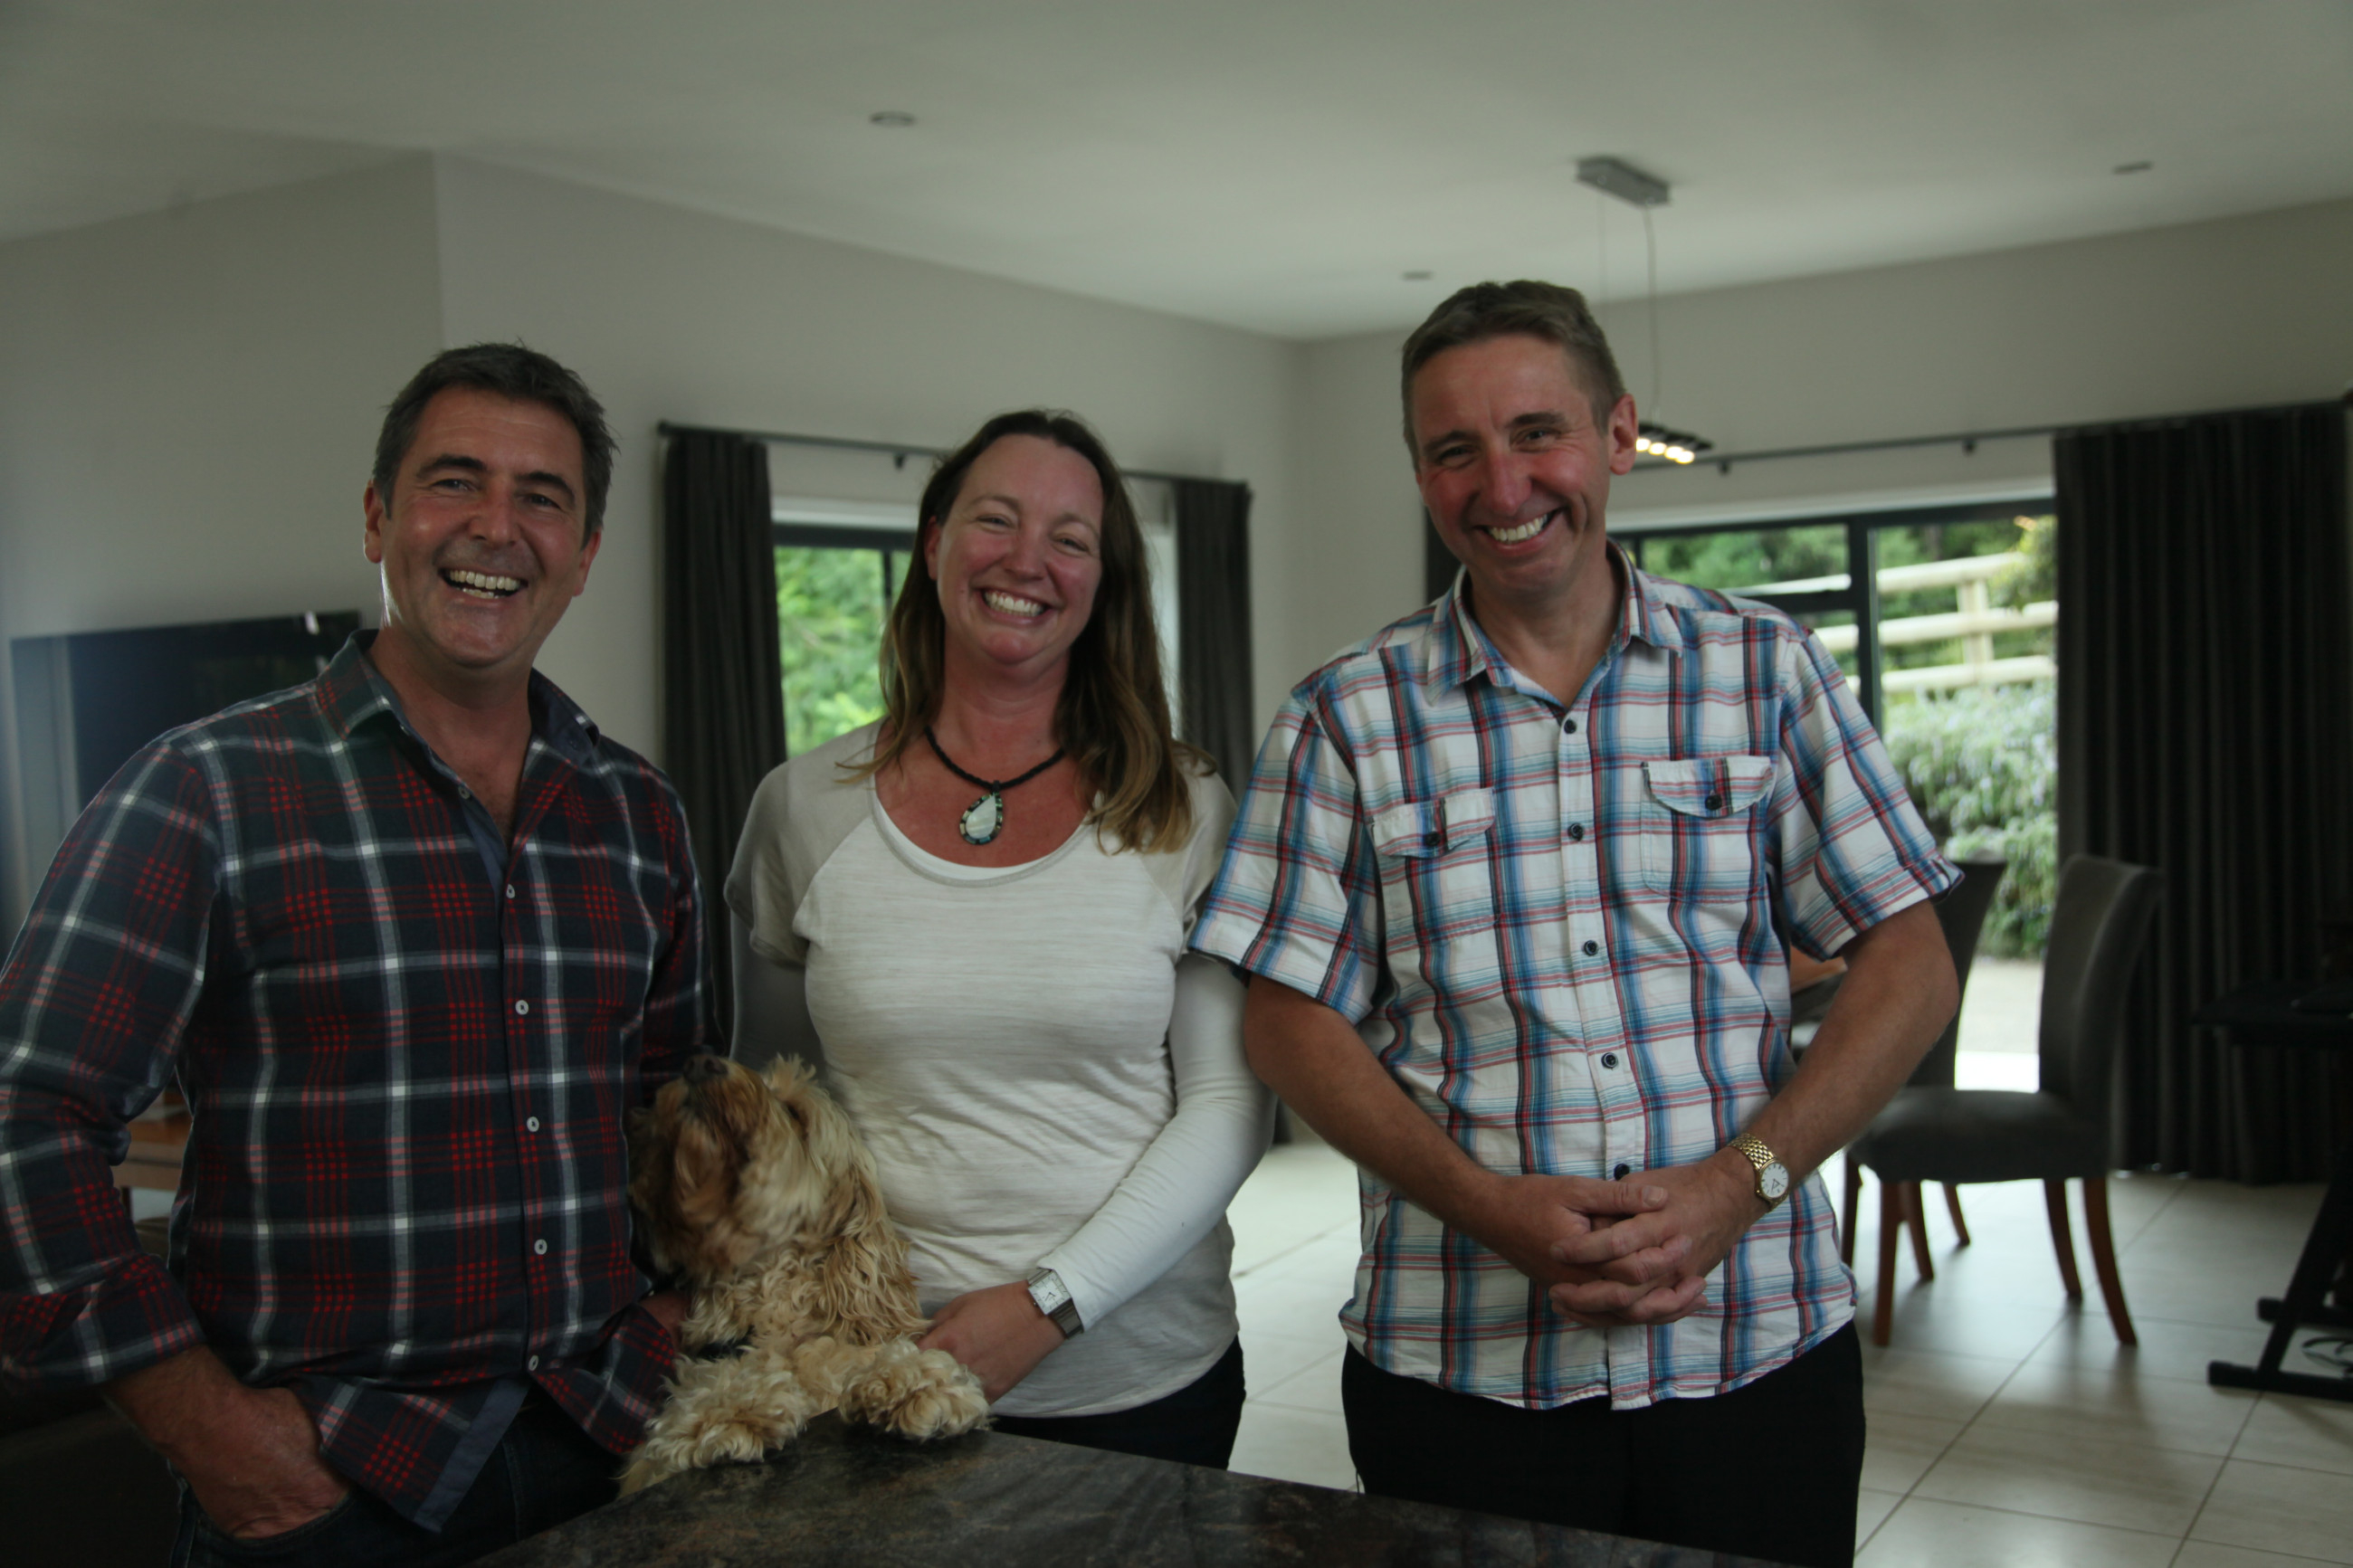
[(1772, 1176)]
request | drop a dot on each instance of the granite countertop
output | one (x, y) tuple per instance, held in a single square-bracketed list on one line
[(850, 1496)]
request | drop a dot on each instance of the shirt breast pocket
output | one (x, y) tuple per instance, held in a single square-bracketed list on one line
[(1699, 824), (1438, 872)]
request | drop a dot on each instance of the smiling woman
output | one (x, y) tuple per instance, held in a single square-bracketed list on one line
[(977, 907)]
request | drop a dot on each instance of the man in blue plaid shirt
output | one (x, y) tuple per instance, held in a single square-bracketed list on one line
[(1515, 882), (413, 938)]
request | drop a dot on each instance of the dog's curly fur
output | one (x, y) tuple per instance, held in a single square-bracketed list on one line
[(756, 1190)]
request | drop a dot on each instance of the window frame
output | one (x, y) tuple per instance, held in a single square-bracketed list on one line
[(1861, 596)]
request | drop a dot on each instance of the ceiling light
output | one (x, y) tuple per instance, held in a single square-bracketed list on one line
[(1668, 444), (896, 118), (1622, 180), (1616, 177)]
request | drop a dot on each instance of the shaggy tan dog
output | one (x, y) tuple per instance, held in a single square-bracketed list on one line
[(758, 1191)]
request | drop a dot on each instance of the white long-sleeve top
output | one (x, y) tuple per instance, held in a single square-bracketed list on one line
[(1041, 1073)]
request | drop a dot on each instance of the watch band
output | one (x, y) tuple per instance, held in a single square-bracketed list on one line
[(1053, 1298), (1772, 1176)]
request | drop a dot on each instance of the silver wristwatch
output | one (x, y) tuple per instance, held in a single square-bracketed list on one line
[(1053, 1298)]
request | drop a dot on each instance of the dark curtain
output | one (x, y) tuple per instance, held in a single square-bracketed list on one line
[(2205, 727), (723, 686), (1213, 616)]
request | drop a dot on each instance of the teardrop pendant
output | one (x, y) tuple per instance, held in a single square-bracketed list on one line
[(982, 819)]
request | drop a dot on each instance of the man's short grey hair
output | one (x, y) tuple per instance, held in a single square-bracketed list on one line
[(1526, 309)]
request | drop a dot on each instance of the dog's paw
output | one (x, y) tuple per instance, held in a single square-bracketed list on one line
[(721, 1413), (644, 1469), (921, 1395)]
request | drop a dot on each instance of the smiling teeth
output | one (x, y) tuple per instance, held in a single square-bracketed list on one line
[(483, 584), (1525, 531), (1013, 603)]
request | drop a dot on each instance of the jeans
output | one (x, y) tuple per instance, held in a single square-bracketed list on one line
[(544, 1471), (1194, 1426), (1770, 1470)]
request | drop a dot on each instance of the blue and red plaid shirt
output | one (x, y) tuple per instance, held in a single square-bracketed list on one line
[(1564, 932), (408, 1067)]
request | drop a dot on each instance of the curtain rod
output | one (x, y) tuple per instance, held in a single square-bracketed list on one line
[(897, 451), (1968, 439)]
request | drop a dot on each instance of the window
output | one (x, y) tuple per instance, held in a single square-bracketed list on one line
[(837, 568), (1951, 597)]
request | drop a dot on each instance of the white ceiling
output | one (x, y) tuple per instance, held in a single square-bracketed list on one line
[(1272, 164)]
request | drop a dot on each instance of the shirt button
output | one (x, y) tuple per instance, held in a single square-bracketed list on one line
[(532, 1364), (1591, 948), (1609, 1058), (530, 1125), (1618, 1172), (1716, 803), (1576, 832), (521, 1008), (1568, 726), (465, 793), (510, 890), (540, 1247)]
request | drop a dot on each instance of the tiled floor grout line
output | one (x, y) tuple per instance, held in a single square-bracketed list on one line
[(2191, 1530)]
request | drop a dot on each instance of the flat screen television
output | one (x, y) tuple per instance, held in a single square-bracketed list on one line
[(86, 701)]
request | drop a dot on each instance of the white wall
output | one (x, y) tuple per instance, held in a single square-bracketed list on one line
[(191, 400), (2246, 311), (674, 315), (188, 404)]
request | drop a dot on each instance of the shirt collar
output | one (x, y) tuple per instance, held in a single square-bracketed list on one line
[(1460, 648), (354, 692)]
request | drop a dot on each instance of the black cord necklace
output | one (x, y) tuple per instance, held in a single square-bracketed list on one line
[(985, 818)]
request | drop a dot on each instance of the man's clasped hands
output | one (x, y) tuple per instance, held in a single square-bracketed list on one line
[(1618, 1253)]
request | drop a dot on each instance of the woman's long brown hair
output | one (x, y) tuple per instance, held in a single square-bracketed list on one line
[(1112, 717)]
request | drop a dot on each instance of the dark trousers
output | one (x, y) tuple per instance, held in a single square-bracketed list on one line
[(544, 1471), (1194, 1426), (1770, 1470)]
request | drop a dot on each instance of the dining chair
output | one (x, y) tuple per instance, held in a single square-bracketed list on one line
[(2058, 1134), (1962, 914)]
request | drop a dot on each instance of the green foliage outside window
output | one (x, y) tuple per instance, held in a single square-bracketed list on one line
[(830, 605), (1982, 764), (1738, 561)]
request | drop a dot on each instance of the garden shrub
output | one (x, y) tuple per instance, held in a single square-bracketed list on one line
[(1982, 764)]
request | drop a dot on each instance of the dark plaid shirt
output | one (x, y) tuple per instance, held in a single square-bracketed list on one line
[(404, 1186)]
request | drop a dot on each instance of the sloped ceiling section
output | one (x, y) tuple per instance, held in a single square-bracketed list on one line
[(1269, 164)]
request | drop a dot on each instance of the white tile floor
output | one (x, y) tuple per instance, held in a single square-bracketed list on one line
[(2007, 1427)]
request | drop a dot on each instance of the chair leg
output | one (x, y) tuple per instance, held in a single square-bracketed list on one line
[(2104, 1257), (2054, 1199), (1918, 1217), (1853, 1211), (1891, 1225), (1953, 1207)]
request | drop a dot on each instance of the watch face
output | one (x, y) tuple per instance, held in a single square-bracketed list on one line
[(1773, 1181)]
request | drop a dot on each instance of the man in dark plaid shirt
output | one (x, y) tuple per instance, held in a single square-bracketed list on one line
[(413, 940)]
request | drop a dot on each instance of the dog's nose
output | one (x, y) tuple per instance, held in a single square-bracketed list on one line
[(704, 1066)]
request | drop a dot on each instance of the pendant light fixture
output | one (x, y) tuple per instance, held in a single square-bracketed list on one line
[(1616, 177)]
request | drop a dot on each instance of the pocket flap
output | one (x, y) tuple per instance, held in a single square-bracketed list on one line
[(1709, 786), (1417, 827)]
